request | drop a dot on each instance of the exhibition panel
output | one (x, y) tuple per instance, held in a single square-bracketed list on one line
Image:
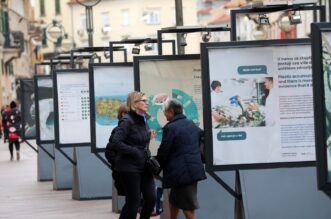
[(321, 60), (165, 77), (258, 104), (110, 85), (44, 109), (28, 109), (71, 108)]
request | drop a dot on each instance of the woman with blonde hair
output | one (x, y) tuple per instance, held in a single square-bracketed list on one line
[(131, 141)]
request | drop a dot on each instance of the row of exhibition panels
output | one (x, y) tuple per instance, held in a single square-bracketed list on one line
[(78, 107)]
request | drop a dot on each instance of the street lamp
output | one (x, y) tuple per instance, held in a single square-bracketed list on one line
[(89, 18), (54, 31)]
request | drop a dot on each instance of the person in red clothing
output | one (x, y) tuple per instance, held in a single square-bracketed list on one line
[(13, 126), (4, 115)]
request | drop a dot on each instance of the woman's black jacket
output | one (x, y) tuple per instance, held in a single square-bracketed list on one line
[(131, 141)]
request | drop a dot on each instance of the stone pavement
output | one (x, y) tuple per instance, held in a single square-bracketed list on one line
[(22, 196)]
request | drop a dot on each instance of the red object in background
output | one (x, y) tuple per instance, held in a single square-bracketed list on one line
[(289, 35)]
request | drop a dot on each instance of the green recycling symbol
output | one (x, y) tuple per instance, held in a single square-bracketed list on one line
[(189, 106)]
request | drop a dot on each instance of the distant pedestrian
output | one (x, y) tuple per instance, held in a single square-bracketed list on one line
[(4, 115), (13, 126), (180, 158)]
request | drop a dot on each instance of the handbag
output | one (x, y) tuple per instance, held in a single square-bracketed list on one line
[(153, 165)]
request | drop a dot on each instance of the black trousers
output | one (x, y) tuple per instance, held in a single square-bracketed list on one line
[(135, 185), (11, 146)]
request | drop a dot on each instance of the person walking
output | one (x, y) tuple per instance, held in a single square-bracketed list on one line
[(13, 126), (4, 115), (131, 141), (180, 158)]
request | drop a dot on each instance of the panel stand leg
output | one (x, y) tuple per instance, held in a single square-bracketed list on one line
[(91, 178), (44, 163), (239, 205), (62, 169)]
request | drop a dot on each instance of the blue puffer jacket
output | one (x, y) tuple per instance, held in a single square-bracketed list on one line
[(179, 153)]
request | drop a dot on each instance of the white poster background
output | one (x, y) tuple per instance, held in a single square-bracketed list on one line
[(110, 81), (73, 108), (291, 136), (46, 107), (166, 77)]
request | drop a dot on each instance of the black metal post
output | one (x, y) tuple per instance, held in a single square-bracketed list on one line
[(159, 42), (239, 206), (179, 22), (111, 56), (89, 24)]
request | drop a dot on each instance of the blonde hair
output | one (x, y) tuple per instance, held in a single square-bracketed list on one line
[(122, 109), (133, 97)]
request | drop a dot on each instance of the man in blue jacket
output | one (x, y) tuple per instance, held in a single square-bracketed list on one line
[(180, 158)]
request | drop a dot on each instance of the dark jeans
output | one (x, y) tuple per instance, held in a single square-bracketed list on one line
[(134, 185), (11, 148)]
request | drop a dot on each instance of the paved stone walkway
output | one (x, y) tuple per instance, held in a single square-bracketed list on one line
[(22, 196)]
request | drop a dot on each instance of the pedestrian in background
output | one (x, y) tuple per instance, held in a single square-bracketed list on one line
[(180, 158), (4, 115), (13, 126), (131, 141)]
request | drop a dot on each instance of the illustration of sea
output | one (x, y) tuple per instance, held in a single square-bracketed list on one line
[(106, 108)]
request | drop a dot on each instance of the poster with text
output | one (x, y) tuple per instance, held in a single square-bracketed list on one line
[(45, 108), (261, 104), (161, 80), (28, 109), (112, 84), (73, 107), (326, 45)]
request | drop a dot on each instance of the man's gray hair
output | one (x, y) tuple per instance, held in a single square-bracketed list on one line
[(174, 105)]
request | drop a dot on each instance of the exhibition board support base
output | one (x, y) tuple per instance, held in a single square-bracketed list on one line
[(103, 160), (47, 152), (62, 168), (66, 156), (328, 193), (45, 159), (225, 186), (239, 207), (91, 178), (30, 145)]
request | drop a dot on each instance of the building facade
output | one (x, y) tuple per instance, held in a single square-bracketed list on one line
[(15, 48), (115, 20)]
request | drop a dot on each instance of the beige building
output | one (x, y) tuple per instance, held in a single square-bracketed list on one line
[(15, 47), (115, 20)]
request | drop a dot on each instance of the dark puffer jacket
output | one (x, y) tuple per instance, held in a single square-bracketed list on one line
[(179, 153), (131, 141)]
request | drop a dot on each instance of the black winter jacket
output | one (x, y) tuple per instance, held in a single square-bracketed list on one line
[(131, 141), (179, 153)]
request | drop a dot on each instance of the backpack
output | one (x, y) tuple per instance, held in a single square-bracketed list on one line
[(13, 124), (110, 153)]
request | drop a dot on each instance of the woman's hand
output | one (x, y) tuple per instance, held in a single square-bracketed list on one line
[(152, 133)]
